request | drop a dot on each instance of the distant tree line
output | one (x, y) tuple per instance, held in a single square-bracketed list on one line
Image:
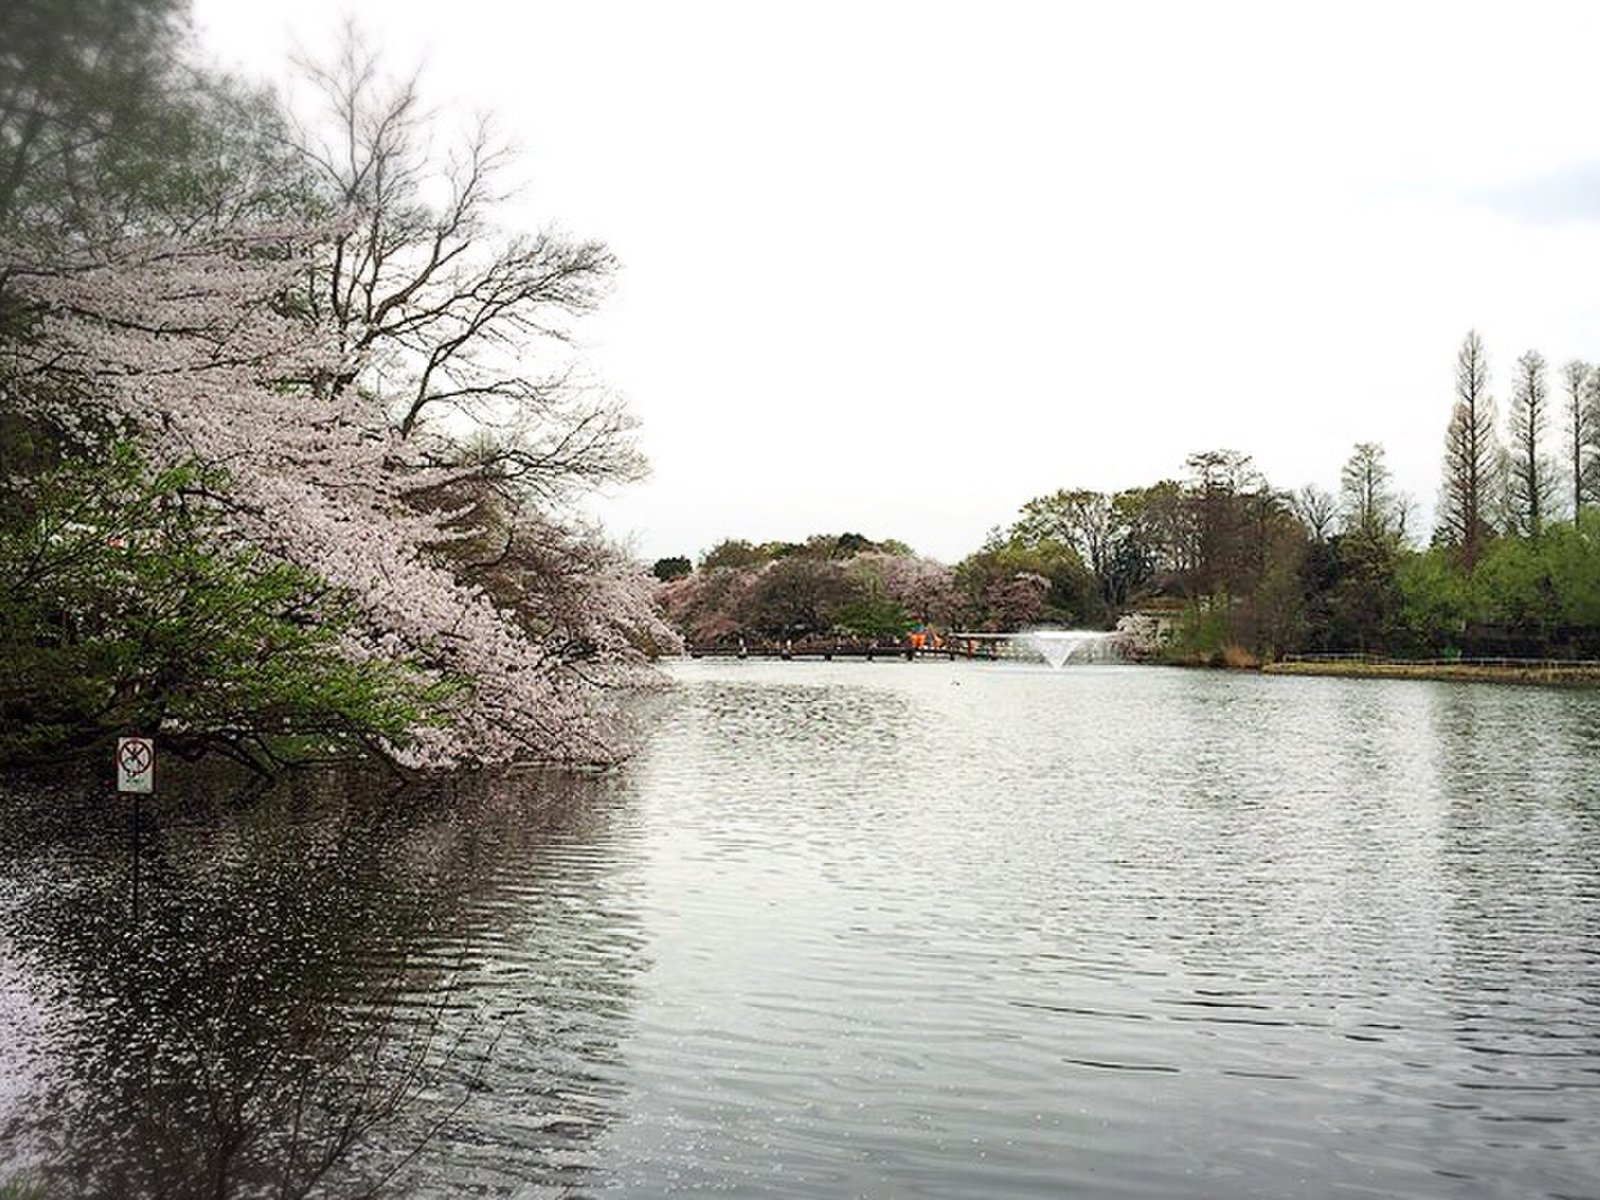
[(1242, 570), (830, 585)]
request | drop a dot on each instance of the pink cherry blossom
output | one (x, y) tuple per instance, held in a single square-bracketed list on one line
[(203, 353)]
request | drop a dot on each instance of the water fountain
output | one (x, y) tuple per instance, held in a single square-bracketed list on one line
[(1061, 646)]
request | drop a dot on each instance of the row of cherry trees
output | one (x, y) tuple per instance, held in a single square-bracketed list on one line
[(294, 351)]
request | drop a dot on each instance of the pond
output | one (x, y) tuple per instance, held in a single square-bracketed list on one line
[(846, 929)]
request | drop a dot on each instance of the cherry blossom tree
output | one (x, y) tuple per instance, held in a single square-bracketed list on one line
[(707, 606), (118, 612), (202, 350), (922, 587), (378, 392)]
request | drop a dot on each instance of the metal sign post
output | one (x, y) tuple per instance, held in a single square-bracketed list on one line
[(136, 773)]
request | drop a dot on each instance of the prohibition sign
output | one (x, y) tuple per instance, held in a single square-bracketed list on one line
[(135, 761)]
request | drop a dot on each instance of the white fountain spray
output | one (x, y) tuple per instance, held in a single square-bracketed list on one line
[(1061, 646)]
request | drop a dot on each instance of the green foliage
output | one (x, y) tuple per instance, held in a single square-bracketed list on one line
[(80, 98), (1511, 585), (1202, 634), (870, 611), (104, 128), (123, 610), (731, 552), (1538, 597), (1363, 603), (795, 597), (1435, 600), (1255, 576), (738, 554), (1018, 580), (667, 569), (873, 617), (848, 545), (1572, 558)]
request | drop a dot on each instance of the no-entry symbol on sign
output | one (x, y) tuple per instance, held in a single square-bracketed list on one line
[(136, 764)]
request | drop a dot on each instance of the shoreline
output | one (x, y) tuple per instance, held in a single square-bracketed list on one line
[(1579, 674)]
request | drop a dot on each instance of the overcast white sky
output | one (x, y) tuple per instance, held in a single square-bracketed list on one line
[(898, 267)]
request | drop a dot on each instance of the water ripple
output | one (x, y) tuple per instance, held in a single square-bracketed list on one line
[(895, 929)]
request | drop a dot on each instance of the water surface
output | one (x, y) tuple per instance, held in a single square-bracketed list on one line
[(881, 929)]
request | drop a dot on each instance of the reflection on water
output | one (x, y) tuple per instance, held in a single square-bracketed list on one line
[(321, 979), (858, 929)]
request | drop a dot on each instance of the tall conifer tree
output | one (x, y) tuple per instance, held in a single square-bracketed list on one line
[(1530, 482), (1470, 456)]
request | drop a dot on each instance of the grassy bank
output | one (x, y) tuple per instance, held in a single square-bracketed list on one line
[(1577, 674)]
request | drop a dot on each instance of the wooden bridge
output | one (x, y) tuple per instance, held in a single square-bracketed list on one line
[(988, 646)]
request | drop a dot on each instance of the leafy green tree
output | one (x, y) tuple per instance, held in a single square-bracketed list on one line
[(668, 569), (870, 610), (1436, 604), (1514, 599), (1080, 518), (795, 597), (731, 552), (873, 616), (1320, 569), (1122, 539), (848, 545), (124, 610), (1013, 582), (107, 129), (1350, 582), (1155, 541), (1364, 604), (1572, 555)]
